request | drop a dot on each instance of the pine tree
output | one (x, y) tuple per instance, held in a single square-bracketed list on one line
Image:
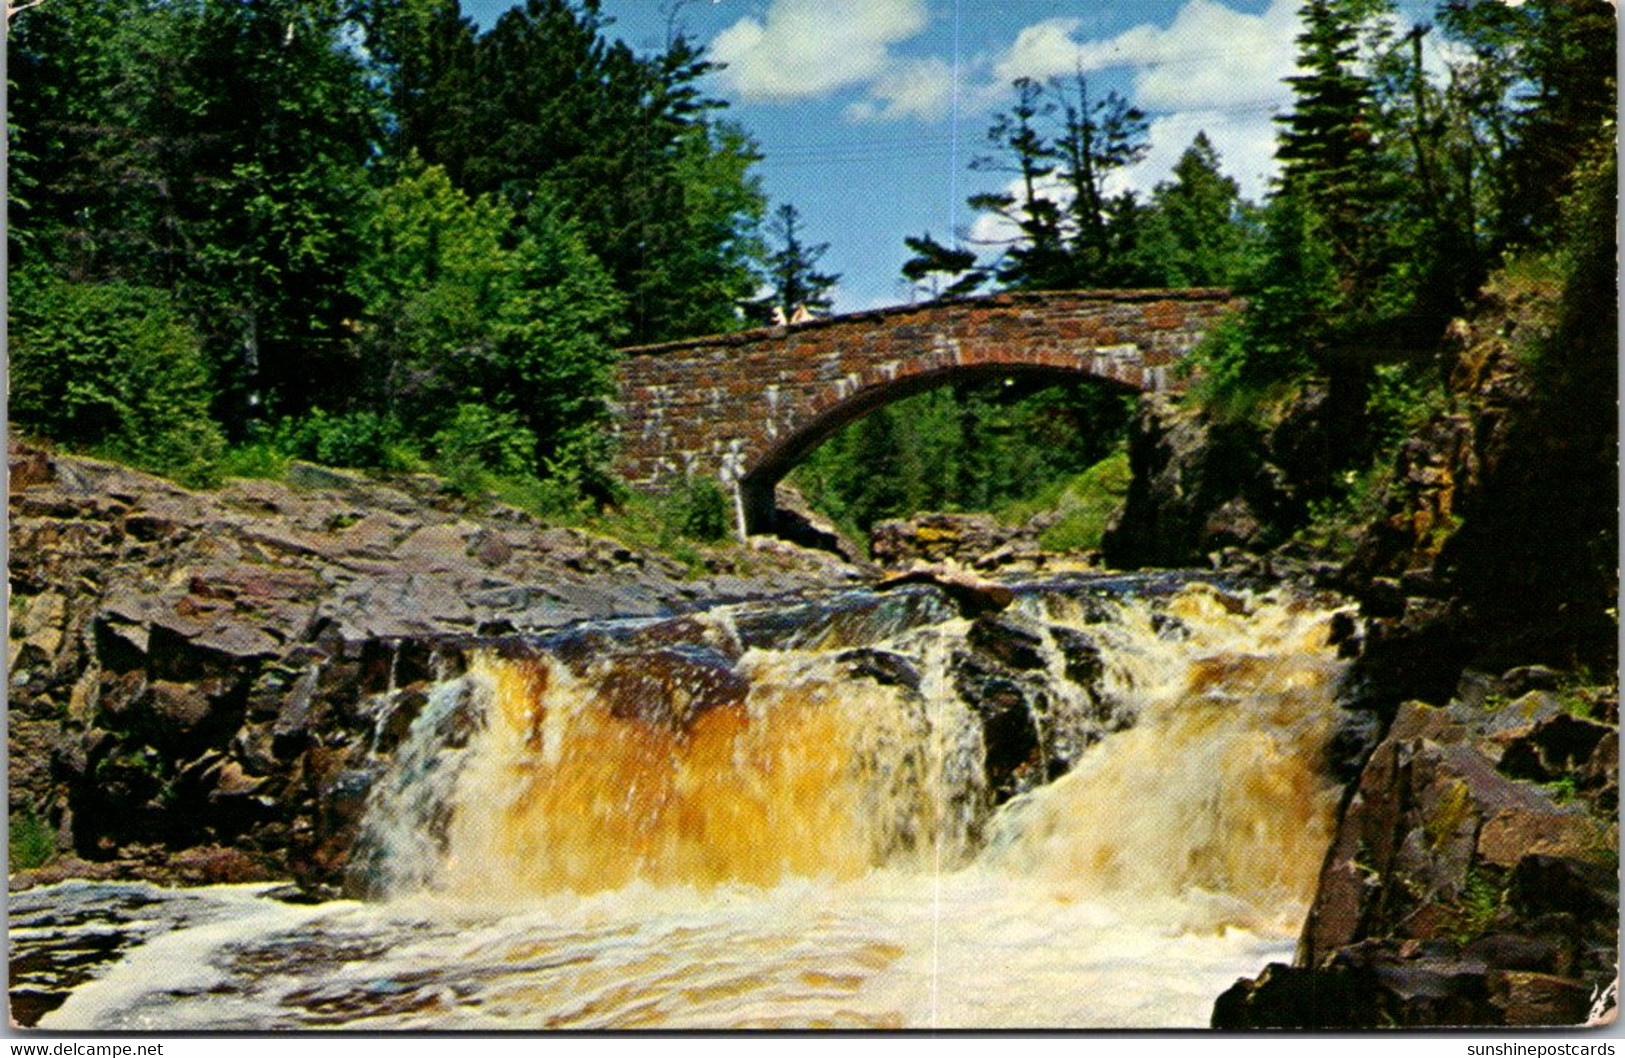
[(1194, 233), (1097, 137), (1327, 149), (1062, 146), (932, 260), (793, 280)]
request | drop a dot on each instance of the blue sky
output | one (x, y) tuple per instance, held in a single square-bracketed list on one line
[(870, 111)]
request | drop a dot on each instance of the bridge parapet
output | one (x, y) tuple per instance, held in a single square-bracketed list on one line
[(746, 407)]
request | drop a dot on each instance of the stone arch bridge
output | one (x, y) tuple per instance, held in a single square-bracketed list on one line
[(747, 407)]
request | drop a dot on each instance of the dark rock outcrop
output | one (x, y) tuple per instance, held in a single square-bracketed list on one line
[(1205, 484), (1455, 892), (197, 671)]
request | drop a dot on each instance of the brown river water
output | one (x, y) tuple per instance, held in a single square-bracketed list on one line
[(785, 845)]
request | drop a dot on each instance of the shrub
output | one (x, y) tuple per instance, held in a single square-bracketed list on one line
[(31, 844), (112, 367), (350, 439), (699, 510), (256, 459), (488, 438)]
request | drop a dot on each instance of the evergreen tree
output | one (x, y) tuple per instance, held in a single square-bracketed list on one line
[(1097, 137), (1037, 257), (1062, 146), (422, 56), (932, 260), (1327, 149), (794, 282), (1195, 232)]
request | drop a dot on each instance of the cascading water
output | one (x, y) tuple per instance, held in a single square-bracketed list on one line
[(1097, 809)]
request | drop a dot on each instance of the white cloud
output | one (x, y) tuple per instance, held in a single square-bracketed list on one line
[(995, 231), (916, 88), (1042, 49), (807, 48), (1210, 57), (1246, 146)]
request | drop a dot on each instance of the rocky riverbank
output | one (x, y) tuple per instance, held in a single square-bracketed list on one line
[(1473, 879), (178, 658)]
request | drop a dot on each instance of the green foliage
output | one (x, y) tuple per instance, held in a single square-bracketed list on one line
[(931, 260), (1086, 503), (983, 446), (267, 166), (510, 322), (217, 153), (493, 440), (699, 510), (112, 367), (349, 439), (255, 459), (31, 843), (1355, 500), (435, 275), (1476, 908), (1197, 231), (1400, 399), (545, 102), (552, 350)]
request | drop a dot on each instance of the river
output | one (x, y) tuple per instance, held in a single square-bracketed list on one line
[(787, 818)]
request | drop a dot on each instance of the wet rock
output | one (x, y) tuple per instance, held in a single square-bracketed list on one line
[(1539, 999), (291, 729), (795, 520), (1080, 656), (1543, 884), (1598, 778), (1004, 703), (1012, 642), (220, 865), (1552, 745), (1288, 997), (669, 688), (1452, 893), (178, 709), (971, 594), (1540, 952), (882, 666), (1526, 678)]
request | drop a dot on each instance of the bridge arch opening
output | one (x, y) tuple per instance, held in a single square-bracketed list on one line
[(756, 487)]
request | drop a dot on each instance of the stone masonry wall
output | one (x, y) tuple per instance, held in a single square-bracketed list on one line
[(746, 406)]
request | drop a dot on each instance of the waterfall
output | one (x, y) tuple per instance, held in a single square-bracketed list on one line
[(1095, 809)]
